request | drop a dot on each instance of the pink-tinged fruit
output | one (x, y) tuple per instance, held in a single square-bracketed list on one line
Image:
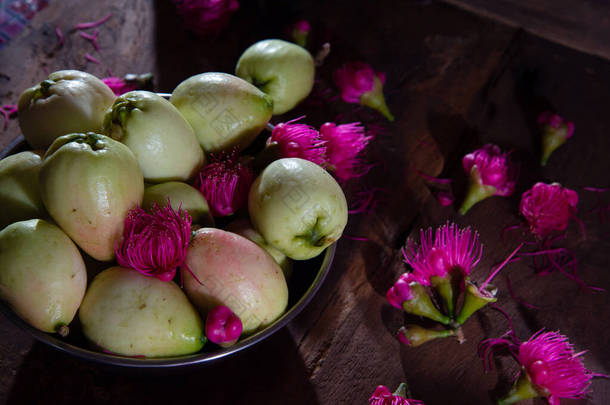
[(230, 270), (222, 326)]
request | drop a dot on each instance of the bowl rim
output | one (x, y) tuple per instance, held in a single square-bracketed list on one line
[(178, 361)]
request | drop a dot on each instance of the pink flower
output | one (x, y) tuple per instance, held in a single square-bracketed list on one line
[(451, 248), (548, 208), (550, 367), (360, 84), (343, 146), (400, 291), (299, 31), (129, 83), (555, 132), (300, 141), (222, 326), (225, 183), (491, 172), (205, 17), (383, 396), (119, 86), (155, 244)]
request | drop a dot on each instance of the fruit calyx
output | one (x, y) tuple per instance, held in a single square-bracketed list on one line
[(116, 121), (314, 237), (43, 90)]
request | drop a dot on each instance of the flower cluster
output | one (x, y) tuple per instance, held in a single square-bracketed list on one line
[(443, 261), (338, 148), (550, 368)]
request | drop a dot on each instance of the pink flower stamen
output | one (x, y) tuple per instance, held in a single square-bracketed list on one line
[(92, 59), (8, 111), (155, 244), (344, 144), (497, 269), (60, 37), (91, 38), (84, 26), (300, 141), (450, 248), (225, 183)]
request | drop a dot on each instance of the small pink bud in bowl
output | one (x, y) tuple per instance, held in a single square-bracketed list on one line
[(360, 84), (548, 208), (555, 132), (491, 172), (222, 326)]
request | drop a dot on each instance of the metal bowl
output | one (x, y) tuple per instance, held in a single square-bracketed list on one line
[(305, 282)]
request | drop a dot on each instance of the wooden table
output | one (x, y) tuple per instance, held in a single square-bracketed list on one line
[(454, 82)]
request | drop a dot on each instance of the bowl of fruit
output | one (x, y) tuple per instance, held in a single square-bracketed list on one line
[(163, 230)]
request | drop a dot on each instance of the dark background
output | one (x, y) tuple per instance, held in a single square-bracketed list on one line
[(456, 79)]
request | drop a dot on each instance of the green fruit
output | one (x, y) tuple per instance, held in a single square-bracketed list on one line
[(88, 183), (225, 111), (162, 141), (19, 190), (244, 228), (281, 69), (298, 207), (180, 195), (237, 273), (68, 101), (42, 274), (128, 313)]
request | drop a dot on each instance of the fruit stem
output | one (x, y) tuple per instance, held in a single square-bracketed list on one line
[(62, 330)]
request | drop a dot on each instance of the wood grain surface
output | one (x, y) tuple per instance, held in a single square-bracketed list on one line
[(455, 81)]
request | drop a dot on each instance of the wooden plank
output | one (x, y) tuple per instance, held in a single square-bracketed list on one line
[(579, 24)]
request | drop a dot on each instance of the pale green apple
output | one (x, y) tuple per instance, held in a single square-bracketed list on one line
[(88, 183), (233, 271), (298, 207), (180, 195), (128, 313), (19, 190), (67, 101), (42, 274), (244, 227), (163, 142), (225, 111), (283, 70)]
